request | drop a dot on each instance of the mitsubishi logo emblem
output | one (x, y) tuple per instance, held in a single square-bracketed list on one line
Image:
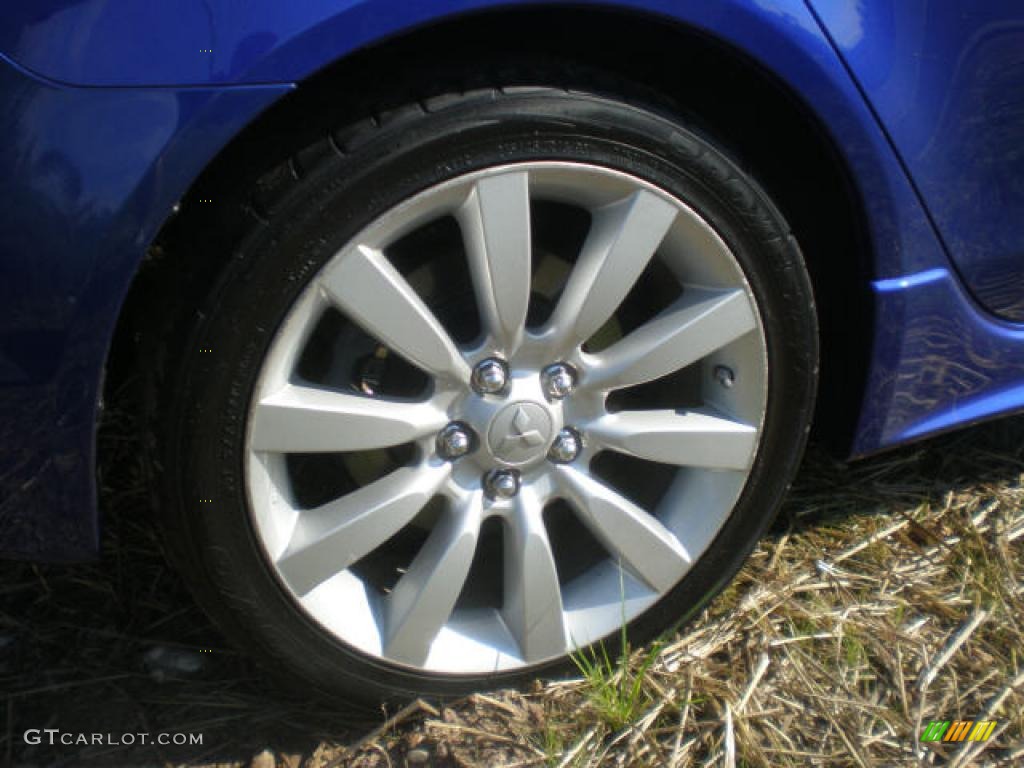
[(520, 433)]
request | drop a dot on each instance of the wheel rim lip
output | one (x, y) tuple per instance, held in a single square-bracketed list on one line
[(409, 214)]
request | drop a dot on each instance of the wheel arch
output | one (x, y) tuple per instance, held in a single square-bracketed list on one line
[(790, 152)]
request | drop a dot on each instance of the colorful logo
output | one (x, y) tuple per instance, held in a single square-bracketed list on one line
[(958, 730)]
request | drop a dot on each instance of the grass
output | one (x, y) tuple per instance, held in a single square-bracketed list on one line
[(890, 593), (616, 690)]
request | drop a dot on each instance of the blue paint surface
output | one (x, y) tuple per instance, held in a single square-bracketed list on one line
[(947, 82), (87, 176)]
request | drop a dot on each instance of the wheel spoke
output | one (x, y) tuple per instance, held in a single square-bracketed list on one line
[(369, 290), (422, 601), (642, 544), (300, 419), (332, 537), (533, 598), (495, 223), (701, 322), (689, 438), (623, 237)]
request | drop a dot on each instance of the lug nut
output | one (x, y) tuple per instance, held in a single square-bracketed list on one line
[(558, 380), (454, 441), (724, 376), (566, 447), (490, 376), (501, 483)]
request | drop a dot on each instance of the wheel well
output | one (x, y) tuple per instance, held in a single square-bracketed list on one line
[(761, 123)]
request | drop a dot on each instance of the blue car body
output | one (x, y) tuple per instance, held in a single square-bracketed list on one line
[(111, 109)]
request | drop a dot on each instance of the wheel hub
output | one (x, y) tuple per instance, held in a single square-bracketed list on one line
[(517, 426), (520, 433)]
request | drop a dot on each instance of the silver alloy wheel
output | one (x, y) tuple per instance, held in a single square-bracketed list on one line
[(545, 609)]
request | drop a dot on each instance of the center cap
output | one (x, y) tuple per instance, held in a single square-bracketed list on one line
[(520, 432)]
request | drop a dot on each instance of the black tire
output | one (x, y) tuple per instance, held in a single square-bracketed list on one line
[(320, 198)]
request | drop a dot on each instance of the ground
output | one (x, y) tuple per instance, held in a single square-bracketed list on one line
[(889, 594)]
